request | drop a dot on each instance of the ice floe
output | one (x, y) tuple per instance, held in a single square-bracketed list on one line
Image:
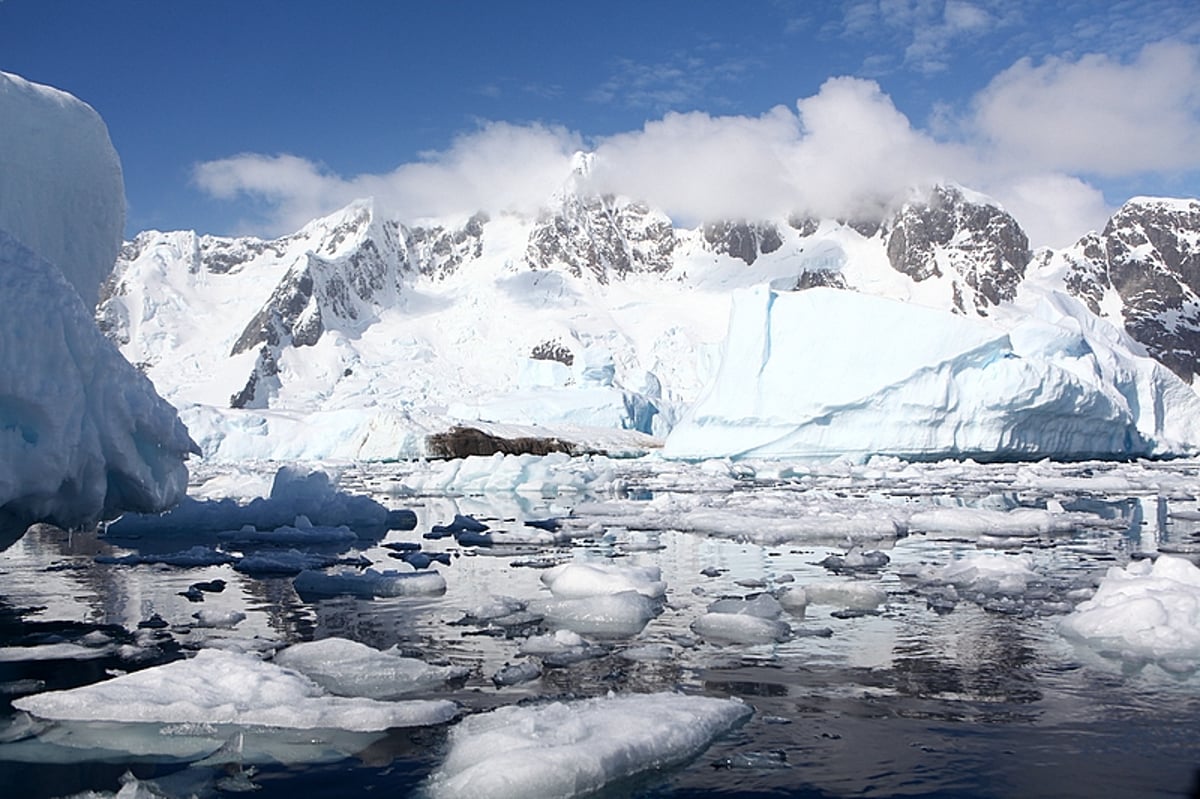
[(568, 749), (348, 668), (217, 687)]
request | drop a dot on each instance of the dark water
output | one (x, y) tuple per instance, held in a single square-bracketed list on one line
[(908, 701)]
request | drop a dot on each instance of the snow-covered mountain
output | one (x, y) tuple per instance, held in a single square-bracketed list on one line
[(599, 321), (1142, 272)]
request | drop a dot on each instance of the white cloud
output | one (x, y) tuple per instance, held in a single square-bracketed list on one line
[(500, 167), (1097, 116), (1054, 209)]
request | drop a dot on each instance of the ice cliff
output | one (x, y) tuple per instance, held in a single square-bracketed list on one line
[(826, 373)]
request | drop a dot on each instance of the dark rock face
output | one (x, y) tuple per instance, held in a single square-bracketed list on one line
[(743, 240), (462, 442), (817, 278), (1149, 253), (439, 252), (553, 351), (601, 236), (262, 383), (982, 248)]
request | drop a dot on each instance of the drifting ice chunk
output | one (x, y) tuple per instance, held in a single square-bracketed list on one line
[(576, 748), (617, 615), (371, 583), (217, 687), (577, 580), (83, 435), (985, 573), (740, 628), (1144, 612), (348, 668), (824, 373), (849, 594)]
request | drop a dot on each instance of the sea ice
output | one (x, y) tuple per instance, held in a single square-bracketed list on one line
[(569, 749), (349, 668), (596, 578), (616, 615), (370, 583), (296, 492), (217, 687), (1145, 611)]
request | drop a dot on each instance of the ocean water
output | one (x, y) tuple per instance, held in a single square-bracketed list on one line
[(979, 697)]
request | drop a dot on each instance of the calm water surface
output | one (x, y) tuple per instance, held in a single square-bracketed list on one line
[(913, 700)]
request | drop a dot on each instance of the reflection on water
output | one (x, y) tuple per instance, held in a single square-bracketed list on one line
[(908, 700)]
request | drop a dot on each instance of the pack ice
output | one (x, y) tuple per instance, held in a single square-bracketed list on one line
[(827, 373), (83, 434)]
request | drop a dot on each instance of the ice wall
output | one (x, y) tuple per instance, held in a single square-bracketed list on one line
[(824, 373)]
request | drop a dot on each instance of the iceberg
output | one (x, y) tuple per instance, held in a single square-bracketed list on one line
[(83, 434), (824, 373), (63, 194)]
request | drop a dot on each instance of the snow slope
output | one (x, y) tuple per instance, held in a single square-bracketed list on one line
[(83, 434)]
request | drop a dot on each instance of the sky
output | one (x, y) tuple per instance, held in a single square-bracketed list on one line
[(255, 116)]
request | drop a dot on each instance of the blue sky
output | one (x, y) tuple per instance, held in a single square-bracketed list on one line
[(236, 117)]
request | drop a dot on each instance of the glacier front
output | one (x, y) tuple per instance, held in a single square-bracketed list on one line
[(824, 373), (83, 434)]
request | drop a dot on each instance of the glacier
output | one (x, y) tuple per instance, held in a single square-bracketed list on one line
[(83, 434), (826, 373)]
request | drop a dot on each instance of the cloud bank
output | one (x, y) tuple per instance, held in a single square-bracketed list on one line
[(1032, 138)]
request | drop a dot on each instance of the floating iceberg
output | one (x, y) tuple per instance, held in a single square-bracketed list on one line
[(568, 749), (824, 373), (83, 435)]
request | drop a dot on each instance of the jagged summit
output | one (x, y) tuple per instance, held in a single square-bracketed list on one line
[(1142, 272)]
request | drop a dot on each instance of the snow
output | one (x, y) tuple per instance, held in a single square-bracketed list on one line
[(798, 379), (567, 749), (1146, 611), (348, 668), (63, 196), (217, 687)]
